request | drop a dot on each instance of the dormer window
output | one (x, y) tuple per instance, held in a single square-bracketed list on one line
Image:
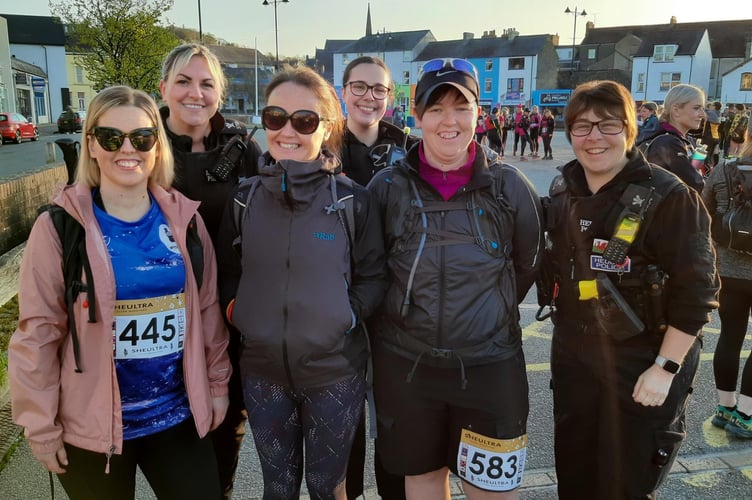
[(664, 53)]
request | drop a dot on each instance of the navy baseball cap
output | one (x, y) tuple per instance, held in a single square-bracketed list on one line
[(460, 73)]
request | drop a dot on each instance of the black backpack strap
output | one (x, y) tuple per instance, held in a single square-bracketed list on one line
[(195, 251), (345, 206), (243, 196), (75, 259)]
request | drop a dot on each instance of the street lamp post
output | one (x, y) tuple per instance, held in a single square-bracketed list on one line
[(276, 31), (200, 31), (574, 13)]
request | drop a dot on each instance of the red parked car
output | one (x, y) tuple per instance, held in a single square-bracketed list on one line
[(15, 127)]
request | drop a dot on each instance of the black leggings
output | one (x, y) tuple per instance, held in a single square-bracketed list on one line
[(523, 140), (534, 140), (547, 145), (176, 462), (735, 302)]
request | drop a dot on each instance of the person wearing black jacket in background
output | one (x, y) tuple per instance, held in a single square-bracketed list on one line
[(630, 307), (670, 147), (211, 154), (370, 144)]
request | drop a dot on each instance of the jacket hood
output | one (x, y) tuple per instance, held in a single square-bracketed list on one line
[(296, 182)]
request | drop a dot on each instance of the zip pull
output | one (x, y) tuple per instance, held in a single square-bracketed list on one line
[(109, 454)]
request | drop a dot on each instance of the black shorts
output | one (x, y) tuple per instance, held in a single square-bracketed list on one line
[(421, 423)]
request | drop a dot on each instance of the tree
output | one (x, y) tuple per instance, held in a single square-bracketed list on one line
[(120, 41)]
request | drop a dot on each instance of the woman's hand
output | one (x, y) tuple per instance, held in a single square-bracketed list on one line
[(652, 386), (219, 410), (55, 462)]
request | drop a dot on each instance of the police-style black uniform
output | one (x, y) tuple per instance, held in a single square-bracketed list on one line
[(194, 178), (360, 163), (607, 445)]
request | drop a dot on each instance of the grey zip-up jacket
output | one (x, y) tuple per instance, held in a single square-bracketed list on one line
[(296, 291)]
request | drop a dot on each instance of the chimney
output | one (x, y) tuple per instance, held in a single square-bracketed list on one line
[(673, 21), (467, 35)]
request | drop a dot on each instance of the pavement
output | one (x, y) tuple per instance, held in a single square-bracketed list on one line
[(709, 465)]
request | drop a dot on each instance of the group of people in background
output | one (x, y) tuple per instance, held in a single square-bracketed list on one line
[(354, 268), (529, 128)]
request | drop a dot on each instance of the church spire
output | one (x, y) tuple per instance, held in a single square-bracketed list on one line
[(369, 31)]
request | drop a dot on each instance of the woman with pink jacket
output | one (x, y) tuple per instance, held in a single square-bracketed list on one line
[(148, 380)]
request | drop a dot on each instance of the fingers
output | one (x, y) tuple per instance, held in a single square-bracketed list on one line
[(54, 462)]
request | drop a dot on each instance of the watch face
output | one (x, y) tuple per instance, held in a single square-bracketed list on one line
[(671, 366)]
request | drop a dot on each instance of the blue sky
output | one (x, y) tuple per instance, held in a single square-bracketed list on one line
[(305, 25)]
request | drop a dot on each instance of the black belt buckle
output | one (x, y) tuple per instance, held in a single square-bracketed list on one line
[(441, 353)]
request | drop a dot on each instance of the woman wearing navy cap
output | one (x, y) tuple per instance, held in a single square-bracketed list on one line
[(449, 323)]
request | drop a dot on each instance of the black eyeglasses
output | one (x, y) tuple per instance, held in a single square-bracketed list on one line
[(582, 128), (462, 65), (112, 139), (303, 121), (359, 88)]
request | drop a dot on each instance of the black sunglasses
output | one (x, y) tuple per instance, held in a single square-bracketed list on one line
[(303, 121), (112, 139)]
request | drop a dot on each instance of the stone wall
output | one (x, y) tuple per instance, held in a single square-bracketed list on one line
[(19, 201)]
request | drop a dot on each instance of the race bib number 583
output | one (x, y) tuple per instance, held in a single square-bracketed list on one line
[(148, 328), (491, 464)]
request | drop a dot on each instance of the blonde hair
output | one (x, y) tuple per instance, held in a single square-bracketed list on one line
[(679, 96), (331, 110), (87, 171), (181, 55)]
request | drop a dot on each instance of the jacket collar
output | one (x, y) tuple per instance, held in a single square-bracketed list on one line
[(297, 182), (636, 170)]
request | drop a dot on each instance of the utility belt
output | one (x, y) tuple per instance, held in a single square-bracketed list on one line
[(612, 315)]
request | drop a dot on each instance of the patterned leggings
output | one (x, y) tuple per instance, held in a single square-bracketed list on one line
[(320, 421)]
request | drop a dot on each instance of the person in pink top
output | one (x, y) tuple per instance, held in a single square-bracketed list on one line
[(148, 379)]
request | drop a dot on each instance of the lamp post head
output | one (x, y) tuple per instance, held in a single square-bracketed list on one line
[(569, 11), (267, 3)]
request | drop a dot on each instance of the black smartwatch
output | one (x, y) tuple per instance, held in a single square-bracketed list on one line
[(669, 365)]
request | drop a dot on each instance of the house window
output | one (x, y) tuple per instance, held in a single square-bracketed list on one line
[(591, 54), (487, 85), (664, 53), (81, 101), (516, 63), (641, 82), (79, 74), (405, 76), (515, 84), (489, 64), (746, 81), (669, 80)]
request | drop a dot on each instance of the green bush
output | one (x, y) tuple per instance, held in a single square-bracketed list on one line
[(8, 322)]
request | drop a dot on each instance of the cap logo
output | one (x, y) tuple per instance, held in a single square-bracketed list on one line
[(442, 73)]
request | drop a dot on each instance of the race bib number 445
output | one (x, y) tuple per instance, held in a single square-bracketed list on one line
[(491, 464), (148, 328)]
